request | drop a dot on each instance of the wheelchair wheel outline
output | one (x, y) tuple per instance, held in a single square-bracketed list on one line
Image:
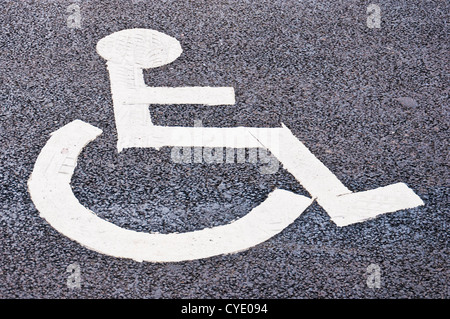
[(50, 190)]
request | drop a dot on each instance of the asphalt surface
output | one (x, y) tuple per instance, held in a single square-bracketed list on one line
[(371, 104)]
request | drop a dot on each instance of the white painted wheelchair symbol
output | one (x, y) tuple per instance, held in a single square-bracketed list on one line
[(128, 52)]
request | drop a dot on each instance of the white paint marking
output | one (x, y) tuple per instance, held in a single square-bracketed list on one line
[(353, 208), (343, 206), (184, 95), (53, 197), (128, 52), (311, 173)]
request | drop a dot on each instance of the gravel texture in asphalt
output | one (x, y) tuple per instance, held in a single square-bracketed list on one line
[(370, 103)]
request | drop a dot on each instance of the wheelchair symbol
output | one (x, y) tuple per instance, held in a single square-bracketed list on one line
[(127, 53)]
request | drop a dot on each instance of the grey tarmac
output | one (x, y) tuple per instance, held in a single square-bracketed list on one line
[(371, 103)]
